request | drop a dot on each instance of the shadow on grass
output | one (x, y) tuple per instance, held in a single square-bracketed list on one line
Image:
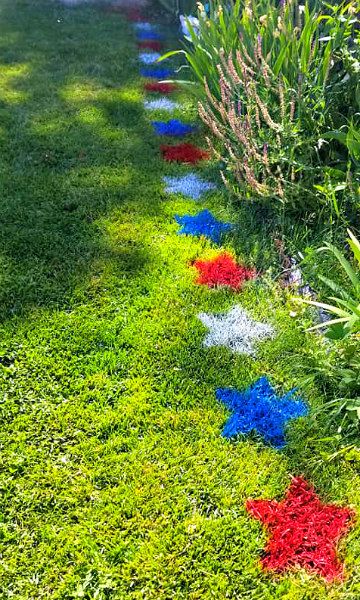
[(73, 151)]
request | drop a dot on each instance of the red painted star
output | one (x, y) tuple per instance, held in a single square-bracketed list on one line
[(304, 532), (160, 87), (150, 45), (134, 14), (186, 153), (223, 270)]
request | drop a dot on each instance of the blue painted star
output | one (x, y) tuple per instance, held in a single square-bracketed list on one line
[(156, 72), (204, 223), (260, 409), (174, 127), (148, 35)]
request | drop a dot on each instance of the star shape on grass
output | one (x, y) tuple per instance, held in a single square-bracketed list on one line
[(190, 185), (156, 72), (161, 104), (160, 87), (133, 14), (203, 224), (150, 45), (185, 153), (223, 270), (144, 26), (235, 330), (149, 58), (260, 409), (303, 532), (148, 35), (174, 127)]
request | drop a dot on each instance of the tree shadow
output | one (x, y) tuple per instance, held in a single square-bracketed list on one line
[(74, 152)]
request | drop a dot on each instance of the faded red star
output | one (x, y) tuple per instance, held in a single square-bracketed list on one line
[(151, 45), (160, 87), (304, 532), (223, 271), (186, 153)]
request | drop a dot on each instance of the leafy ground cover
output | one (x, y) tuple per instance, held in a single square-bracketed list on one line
[(115, 481)]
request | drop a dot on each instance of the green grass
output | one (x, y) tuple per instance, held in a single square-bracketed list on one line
[(115, 482)]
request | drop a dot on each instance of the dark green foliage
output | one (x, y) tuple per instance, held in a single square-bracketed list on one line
[(176, 7), (279, 90), (343, 307)]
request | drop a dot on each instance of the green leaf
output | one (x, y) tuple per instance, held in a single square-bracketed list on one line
[(329, 307), (351, 273), (335, 287), (336, 331), (171, 53), (325, 63), (335, 135), (280, 59), (354, 245), (351, 306), (327, 324)]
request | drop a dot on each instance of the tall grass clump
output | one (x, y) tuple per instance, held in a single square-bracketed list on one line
[(278, 88)]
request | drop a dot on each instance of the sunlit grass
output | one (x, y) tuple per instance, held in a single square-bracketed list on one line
[(81, 91), (74, 93), (10, 78), (130, 94), (90, 115)]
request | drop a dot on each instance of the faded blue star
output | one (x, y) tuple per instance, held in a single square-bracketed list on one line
[(189, 185), (149, 58)]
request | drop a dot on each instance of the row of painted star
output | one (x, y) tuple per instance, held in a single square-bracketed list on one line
[(235, 330), (303, 532)]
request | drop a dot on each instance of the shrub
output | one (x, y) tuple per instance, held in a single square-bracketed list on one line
[(271, 84)]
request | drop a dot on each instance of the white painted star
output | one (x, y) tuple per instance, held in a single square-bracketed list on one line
[(235, 330), (161, 104), (145, 26), (149, 58)]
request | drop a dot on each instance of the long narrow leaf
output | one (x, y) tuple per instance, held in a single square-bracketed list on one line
[(352, 307), (327, 324), (354, 245), (351, 273), (335, 287), (171, 53), (328, 307)]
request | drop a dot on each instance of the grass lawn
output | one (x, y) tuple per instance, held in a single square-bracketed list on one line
[(115, 481)]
